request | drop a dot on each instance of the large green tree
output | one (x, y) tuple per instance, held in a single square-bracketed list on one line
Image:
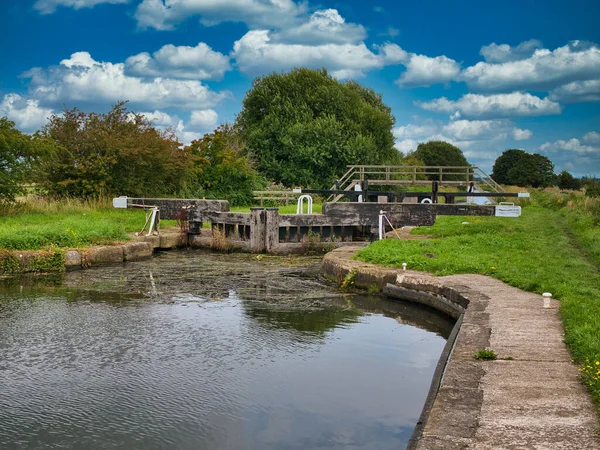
[(117, 153), (304, 127), (506, 161), (440, 153), (520, 168)]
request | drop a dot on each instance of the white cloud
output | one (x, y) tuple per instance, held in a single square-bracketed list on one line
[(545, 69), (204, 120), (49, 6), (256, 54), (495, 53), (164, 14), (470, 130), (83, 80), (422, 70), (324, 26), (27, 114), (572, 145), (160, 119), (516, 104), (575, 156), (591, 138), (199, 62), (201, 121), (577, 91), (521, 135), (481, 141), (412, 130)]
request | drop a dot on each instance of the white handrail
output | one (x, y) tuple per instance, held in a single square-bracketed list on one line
[(309, 202)]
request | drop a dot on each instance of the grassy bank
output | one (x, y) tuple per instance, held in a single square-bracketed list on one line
[(37, 224), (546, 250)]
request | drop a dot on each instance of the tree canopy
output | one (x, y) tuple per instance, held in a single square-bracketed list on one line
[(221, 167), (17, 153), (304, 127), (117, 153), (440, 153), (520, 168)]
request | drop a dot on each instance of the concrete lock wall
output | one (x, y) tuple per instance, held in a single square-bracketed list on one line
[(265, 230), (170, 208)]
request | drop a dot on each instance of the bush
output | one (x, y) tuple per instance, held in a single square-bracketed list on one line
[(118, 153)]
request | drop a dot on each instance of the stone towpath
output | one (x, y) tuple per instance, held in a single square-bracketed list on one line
[(533, 401)]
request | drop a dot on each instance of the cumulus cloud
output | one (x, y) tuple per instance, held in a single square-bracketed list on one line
[(199, 62), (495, 53), (255, 53), (544, 69), (83, 80), (475, 106), (591, 138), (581, 157), (201, 121), (482, 141), (577, 92), (204, 120), (574, 145), (49, 6), (423, 70), (160, 119), (27, 114), (470, 130), (164, 14), (521, 135), (322, 26)]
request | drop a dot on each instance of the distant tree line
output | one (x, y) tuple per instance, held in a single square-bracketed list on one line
[(300, 128)]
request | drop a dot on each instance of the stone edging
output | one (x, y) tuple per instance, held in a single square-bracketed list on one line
[(456, 382), (28, 261)]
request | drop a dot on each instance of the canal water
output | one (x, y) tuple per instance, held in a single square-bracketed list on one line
[(193, 350)]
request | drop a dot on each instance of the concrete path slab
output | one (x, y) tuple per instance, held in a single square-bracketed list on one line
[(533, 401)]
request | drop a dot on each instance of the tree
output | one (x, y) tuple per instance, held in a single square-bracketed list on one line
[(532, 170), (117, 153), (222, 168), (567, 181), (506, 161), (304, 127), (440, 153), (17, 153)]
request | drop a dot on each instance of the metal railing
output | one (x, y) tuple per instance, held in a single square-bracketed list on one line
[(414, 175)]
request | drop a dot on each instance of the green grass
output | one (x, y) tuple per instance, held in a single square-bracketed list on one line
[(486, 355), (542, 251), (38, 225)]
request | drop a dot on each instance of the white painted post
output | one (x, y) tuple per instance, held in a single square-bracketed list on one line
[(357, 188), (546, 296), (152, 221), (381, 213), (404, 267)]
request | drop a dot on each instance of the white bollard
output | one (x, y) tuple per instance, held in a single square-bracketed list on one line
[(381, 213), (404, 267), (357, 188), (546, 296)]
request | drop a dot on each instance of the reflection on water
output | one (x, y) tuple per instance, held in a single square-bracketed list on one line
[(192, 350)]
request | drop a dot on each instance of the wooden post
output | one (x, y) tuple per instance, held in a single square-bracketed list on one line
[(414, 174), (272, 229), (257, 230)]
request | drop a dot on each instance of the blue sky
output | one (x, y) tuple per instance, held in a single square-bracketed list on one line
[(486, 76)]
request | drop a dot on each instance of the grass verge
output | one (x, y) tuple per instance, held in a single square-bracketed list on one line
[(36, 224), (541, 251)]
